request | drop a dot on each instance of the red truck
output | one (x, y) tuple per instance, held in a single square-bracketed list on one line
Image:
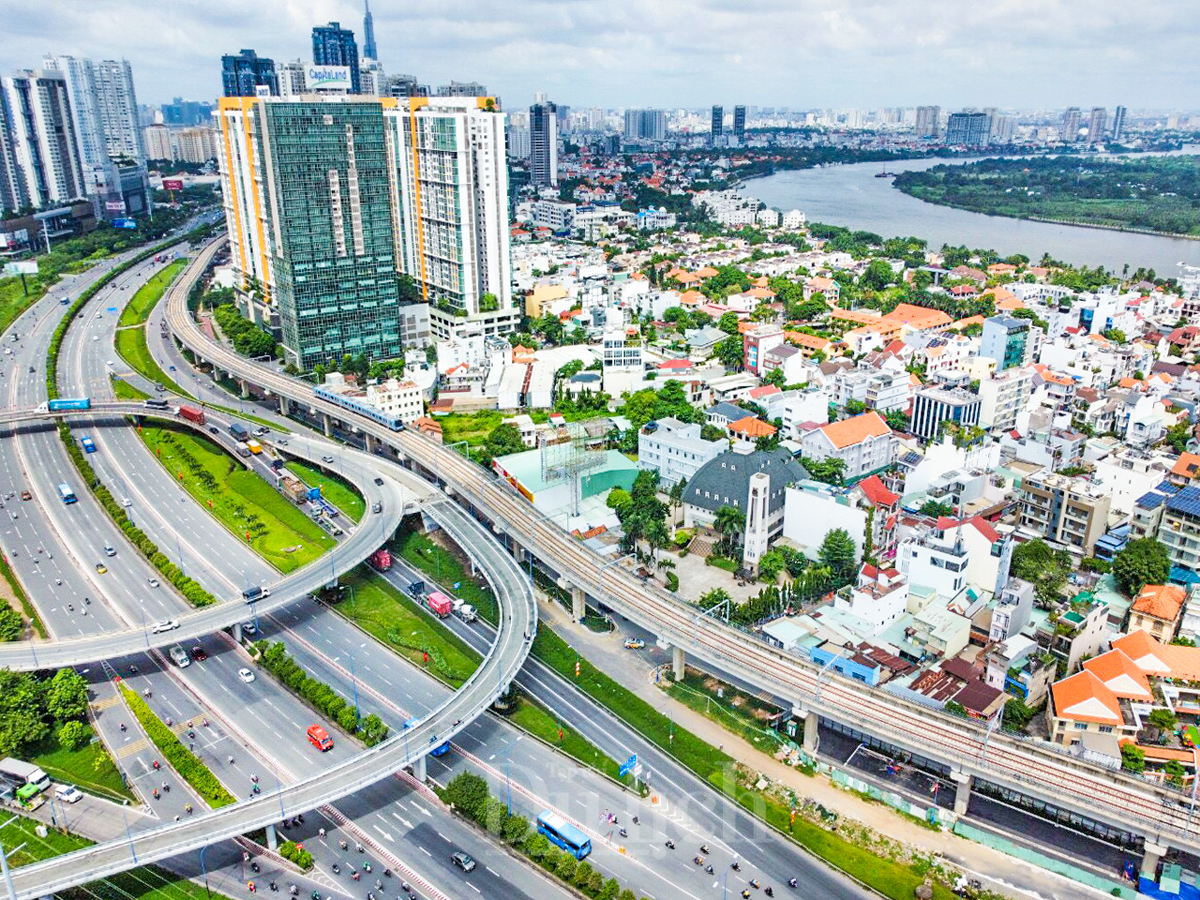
[(439, 604), (192, 414), (381, 559)]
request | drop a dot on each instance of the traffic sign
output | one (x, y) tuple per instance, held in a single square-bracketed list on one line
[(457, 585), (627, 765)]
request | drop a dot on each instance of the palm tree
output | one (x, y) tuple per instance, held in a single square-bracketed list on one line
[(730, 522)]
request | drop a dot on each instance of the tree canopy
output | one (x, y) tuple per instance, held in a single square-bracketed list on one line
[(1142, 561)]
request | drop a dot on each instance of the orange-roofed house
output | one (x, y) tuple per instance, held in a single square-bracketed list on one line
[(1083, 704), (692, 299), (864, 443), (762, 281), (825, 286), (750, 429), (1121, 675), (706, 272), (1186, 469), (687, 278), (1002, 269), (809, 344), (1157, 609)]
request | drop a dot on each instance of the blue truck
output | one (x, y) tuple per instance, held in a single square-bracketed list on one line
[(76, 403)]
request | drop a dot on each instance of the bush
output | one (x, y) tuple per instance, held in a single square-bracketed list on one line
[(566, 868), (289, 850), (11, 625), (468, 793), (73, 735)]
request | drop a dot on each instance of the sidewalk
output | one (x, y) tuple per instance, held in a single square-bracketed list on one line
[(1004, 872)]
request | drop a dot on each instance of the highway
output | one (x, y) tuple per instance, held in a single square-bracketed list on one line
[(1033, 767)]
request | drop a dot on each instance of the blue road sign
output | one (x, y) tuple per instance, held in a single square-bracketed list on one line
[(627, 766)]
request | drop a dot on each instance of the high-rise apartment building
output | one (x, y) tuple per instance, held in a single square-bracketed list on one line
[(197, 145), (1097, 125), (369, 50), (1118, 127), (645, 125), (372, 80), (334, 45), (40, 147), (968, 129), (1004, 339), (1002, 129), (244, 74), (104, 108), (291, 77), (739, 123), (543, 143), (1070, 126), (157, 139), (928, 122), (932, 406), (718, 123), (328, 199), (404, 86)]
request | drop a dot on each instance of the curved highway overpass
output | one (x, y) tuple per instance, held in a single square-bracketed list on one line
[(1032, 767), (371, 534)]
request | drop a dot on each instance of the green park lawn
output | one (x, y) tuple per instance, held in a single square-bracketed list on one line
[(242, 501), (131, 345), (138, 309), (90, 768), (334, 488)]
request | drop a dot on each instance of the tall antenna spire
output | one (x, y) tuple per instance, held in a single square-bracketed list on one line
[(369, 32)]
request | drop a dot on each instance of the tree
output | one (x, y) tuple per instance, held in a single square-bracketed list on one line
[(1017, 714), (22, 711), (1178, 434), (877, 276), (502, 440), (566, 867), (610, 890), (730, 522), (1162, 719), (73, 735), (935, 509), (713, 596), (618, 498), (729, 351), (838, 553), (1133, 758), (1174, 771), (1045, 569), (830, 471), (67, 695), (12, 628), (1143, 561), (515, 829), (468, 793), (728, 322)]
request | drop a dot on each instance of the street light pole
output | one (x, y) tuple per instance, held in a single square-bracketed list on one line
[(354, 688), (12, 890), (204, 869), (508, 770)]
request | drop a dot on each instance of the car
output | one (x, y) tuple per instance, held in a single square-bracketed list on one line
[(101, 568), (111, 364), (249, 628), (378, 481), (282, 442), (126, 502), (67, 793), (199, 653), (462, 860), (376, 507), (159, 387), (213, 429), (164, 626), (95, 337), (246, 675), (153, 582), (634, 643), (260, 431), (327, 459), (25, 495)]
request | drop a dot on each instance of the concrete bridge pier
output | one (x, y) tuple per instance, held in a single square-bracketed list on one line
[(678, 663), (272, 838), (809, 721), (285, 406), (578, 603), (327, 423), (237, 632), (419, 770), (372, 443), (962, 793), (245, 388), (1154, 852)]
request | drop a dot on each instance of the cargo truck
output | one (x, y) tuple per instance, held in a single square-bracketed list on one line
[(254, 446), (76, 403), (192, 414), (466, 612), (439, 604), (381, 559), (238, 430), (20, 774)]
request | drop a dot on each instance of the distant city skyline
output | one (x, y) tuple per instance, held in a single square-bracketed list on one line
[(667, 54)]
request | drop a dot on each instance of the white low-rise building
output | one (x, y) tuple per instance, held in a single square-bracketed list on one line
[(398, 398), (675, 449), (864, 443)]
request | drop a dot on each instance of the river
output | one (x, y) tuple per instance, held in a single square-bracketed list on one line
[(852, 196)]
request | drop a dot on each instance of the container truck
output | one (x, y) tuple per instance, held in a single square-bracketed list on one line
[(20, 774), (238, 430), (439, 604), (192, 414), (76, 403), (381, 559)]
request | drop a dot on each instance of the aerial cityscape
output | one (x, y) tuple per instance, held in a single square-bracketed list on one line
[(630, 453)]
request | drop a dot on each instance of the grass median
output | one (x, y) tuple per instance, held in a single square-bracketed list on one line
[(149, 882), (377, 607), (15, 594), (139, 307), (445, 567), (132, 347), (239, 499), (334, 488), (180, 758), (90, 768)]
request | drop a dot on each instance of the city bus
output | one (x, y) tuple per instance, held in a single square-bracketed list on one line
[(562, 833), (65, 492)]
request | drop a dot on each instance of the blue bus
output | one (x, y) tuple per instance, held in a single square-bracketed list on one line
[(562, 833), (76, 403), (65, 492)]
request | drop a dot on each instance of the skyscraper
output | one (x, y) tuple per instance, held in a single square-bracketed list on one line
[(543, 143), (39, 139), (645, 125), (369, 32), (244, 74), (104, 108), (929, 119), (739, 123), (1097, 125), (1070, 126), (968, 129), (334, 45), (718, 123), (291, 78), (1118, 128)]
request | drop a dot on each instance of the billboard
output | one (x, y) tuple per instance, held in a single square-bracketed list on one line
[(262, 90), (329, 78), (114, 205), (172, 184), (11, 239), (25, 267), (124, 223)]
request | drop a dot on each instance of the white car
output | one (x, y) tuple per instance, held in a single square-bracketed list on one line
[(249, 628), (246, 675), (67, 793), (95, 337), (153, 582), (127, 502), (165, 625)]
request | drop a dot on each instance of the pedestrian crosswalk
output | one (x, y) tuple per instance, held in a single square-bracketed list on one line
[(106, 703), (133, 747)]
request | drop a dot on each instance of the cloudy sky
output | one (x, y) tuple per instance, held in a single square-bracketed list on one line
[(797, 53)]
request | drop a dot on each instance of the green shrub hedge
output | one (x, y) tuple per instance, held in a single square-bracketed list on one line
[(289, 850), (182, 760)]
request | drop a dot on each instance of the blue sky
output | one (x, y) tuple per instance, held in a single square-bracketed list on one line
[(669, 53)]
